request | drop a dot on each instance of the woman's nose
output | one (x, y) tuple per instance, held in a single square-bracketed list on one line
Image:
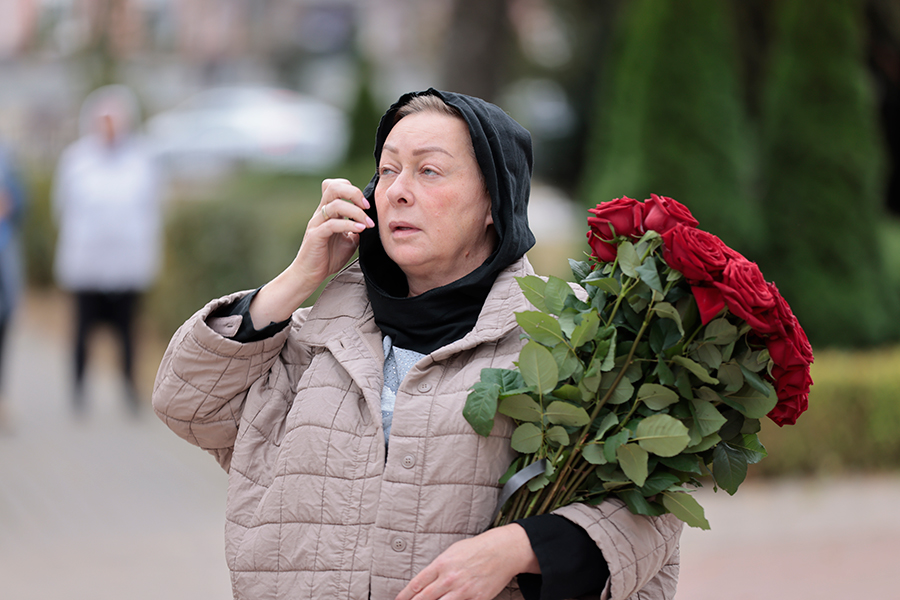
[(398, 192)]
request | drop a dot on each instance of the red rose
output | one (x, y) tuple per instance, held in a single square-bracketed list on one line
[(792, 328), (785, 353), (790, 381), (747, 295), (697, 254), (662, 214), (788, 409), (709, 302), (619, 217), (792, 387)]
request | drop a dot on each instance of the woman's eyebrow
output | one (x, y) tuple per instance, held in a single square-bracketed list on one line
[(418, 151)]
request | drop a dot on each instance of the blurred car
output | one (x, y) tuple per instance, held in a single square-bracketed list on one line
[(260, 127)]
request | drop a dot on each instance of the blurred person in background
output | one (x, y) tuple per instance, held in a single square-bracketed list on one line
[(352, 471), (107, 201), (12, 207)]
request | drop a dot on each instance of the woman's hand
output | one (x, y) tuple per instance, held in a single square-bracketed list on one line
[(476, 568), (331, 238)]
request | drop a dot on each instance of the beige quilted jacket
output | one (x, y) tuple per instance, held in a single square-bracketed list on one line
[(315, 510)]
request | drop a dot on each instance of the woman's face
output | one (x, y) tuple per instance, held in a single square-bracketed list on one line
[(434, 214)]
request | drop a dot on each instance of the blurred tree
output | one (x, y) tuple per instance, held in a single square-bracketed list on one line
[(671, 119), (822, 173), (474, 56), (364, 118)]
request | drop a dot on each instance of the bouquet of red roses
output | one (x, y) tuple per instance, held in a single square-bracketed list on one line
[(648, 373)]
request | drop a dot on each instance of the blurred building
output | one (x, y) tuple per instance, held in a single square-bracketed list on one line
[(53, 52)]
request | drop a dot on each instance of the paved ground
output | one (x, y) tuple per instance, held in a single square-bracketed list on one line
[(113, 507)]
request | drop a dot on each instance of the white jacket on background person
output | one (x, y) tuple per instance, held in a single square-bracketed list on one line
[(107, 203)]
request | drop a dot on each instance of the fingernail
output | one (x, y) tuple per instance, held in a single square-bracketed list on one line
[(366, 200), (370, 222), (359, 226)]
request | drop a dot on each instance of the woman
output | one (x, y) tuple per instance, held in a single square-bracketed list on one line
[(352, 472)]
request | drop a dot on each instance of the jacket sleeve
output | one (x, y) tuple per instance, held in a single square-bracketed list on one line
[(641, 552), (203, 378)]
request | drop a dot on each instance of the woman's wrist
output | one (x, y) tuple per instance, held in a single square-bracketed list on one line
[(278, 299)]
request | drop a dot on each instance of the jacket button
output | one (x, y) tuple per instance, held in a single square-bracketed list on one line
[(399, 544), (409, 461), (424, 387)]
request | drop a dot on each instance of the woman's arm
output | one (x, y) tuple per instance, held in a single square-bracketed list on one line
[(641, 552), (204, 376), (331, 238), (203, 380)]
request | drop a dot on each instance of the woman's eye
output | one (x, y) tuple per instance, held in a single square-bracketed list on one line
[(429, 171), (385, 171)]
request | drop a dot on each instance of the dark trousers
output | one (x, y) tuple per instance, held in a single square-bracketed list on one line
[(116, 309)]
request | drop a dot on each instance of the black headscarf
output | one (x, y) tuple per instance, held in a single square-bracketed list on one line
[(445, 314)]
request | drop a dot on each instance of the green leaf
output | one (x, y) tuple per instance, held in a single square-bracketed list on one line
[(566, 361), (751, 426), (751, 447), (623, 392), (662, 435), (683, 383), (637, 504), (664, 373), (593, 453), (720, 332), (568, 392), (612, 445), (756, 382), (658, 482), (608, 361), (533, 288), (538, 367), (538, 483), (526, 438), (704, 444), (541, 327), (567, 321), (710, 355), (580, 269), (481, 406), (682, 462), (555, 293), (697, 370), (586, 330), (656, 396), (729, 467), (559, 435), (666, 311), (649, 274), (707, 419), (609, 285), (664, 334), (753, 404), (754, 361), (521, 408), (633, 461), (608, 422), (731, 376), (685, 507), (563, 413), (507, 379), (629, 260)]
